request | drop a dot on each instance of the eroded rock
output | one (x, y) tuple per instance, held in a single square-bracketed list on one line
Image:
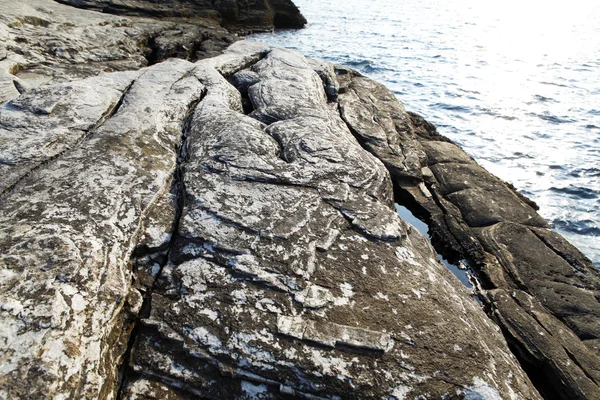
[(44, 41), (236, 15), (67, 229)]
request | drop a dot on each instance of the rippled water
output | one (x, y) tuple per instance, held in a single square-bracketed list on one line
[(516, 83)]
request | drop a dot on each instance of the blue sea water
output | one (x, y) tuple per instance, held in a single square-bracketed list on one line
[(516, 83)]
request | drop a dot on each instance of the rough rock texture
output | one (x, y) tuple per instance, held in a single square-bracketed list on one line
[(70, 222), (291, 274), (237, 15), (542, 291), (263, 259), (225, 228), (42, 41)]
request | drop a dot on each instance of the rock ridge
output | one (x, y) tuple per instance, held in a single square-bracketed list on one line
[(234, 15)]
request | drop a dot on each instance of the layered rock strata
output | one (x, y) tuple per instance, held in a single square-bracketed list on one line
[(257, 256), (226, 228), (245, 16)]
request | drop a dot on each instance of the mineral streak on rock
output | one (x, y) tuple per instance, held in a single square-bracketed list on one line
[(291, 274), (541, 290)]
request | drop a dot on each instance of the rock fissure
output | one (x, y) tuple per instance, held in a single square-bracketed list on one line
[(177, 182), (476, 216), (85, 134), (227, 289)]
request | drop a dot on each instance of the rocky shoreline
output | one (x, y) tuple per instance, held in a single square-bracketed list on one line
[(222, 225)]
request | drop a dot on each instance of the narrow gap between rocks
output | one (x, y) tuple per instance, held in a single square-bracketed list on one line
[(179, 187), (460, 267), (536, 374)]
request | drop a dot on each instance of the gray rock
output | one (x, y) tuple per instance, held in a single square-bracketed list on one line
[(43, 41), (226, 228), (291, 273), (379, 121), (68, 228)]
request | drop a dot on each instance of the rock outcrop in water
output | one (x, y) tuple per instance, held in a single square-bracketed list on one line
[(233, 14), (542, 292), (226, 228)]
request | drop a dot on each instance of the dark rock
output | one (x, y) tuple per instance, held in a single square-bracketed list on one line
[(233, 14), (541, 290), (243, 80)]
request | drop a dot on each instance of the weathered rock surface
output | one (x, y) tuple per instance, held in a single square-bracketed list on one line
[(42, 41), (268, 262), (291, 274), (541, 290), (225, 228), (69, 224)]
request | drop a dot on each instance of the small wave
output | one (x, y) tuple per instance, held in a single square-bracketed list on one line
[(590, 126), (451, 107), (554, 84), (577, 192), (585, 172), (495, 114), (546, 116), (586, 227), (543, 99), (523, 155), (358, 63)]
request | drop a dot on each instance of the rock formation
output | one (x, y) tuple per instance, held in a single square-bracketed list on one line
[(233, 14), (542, 292), (225, 228), (44, 41)]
